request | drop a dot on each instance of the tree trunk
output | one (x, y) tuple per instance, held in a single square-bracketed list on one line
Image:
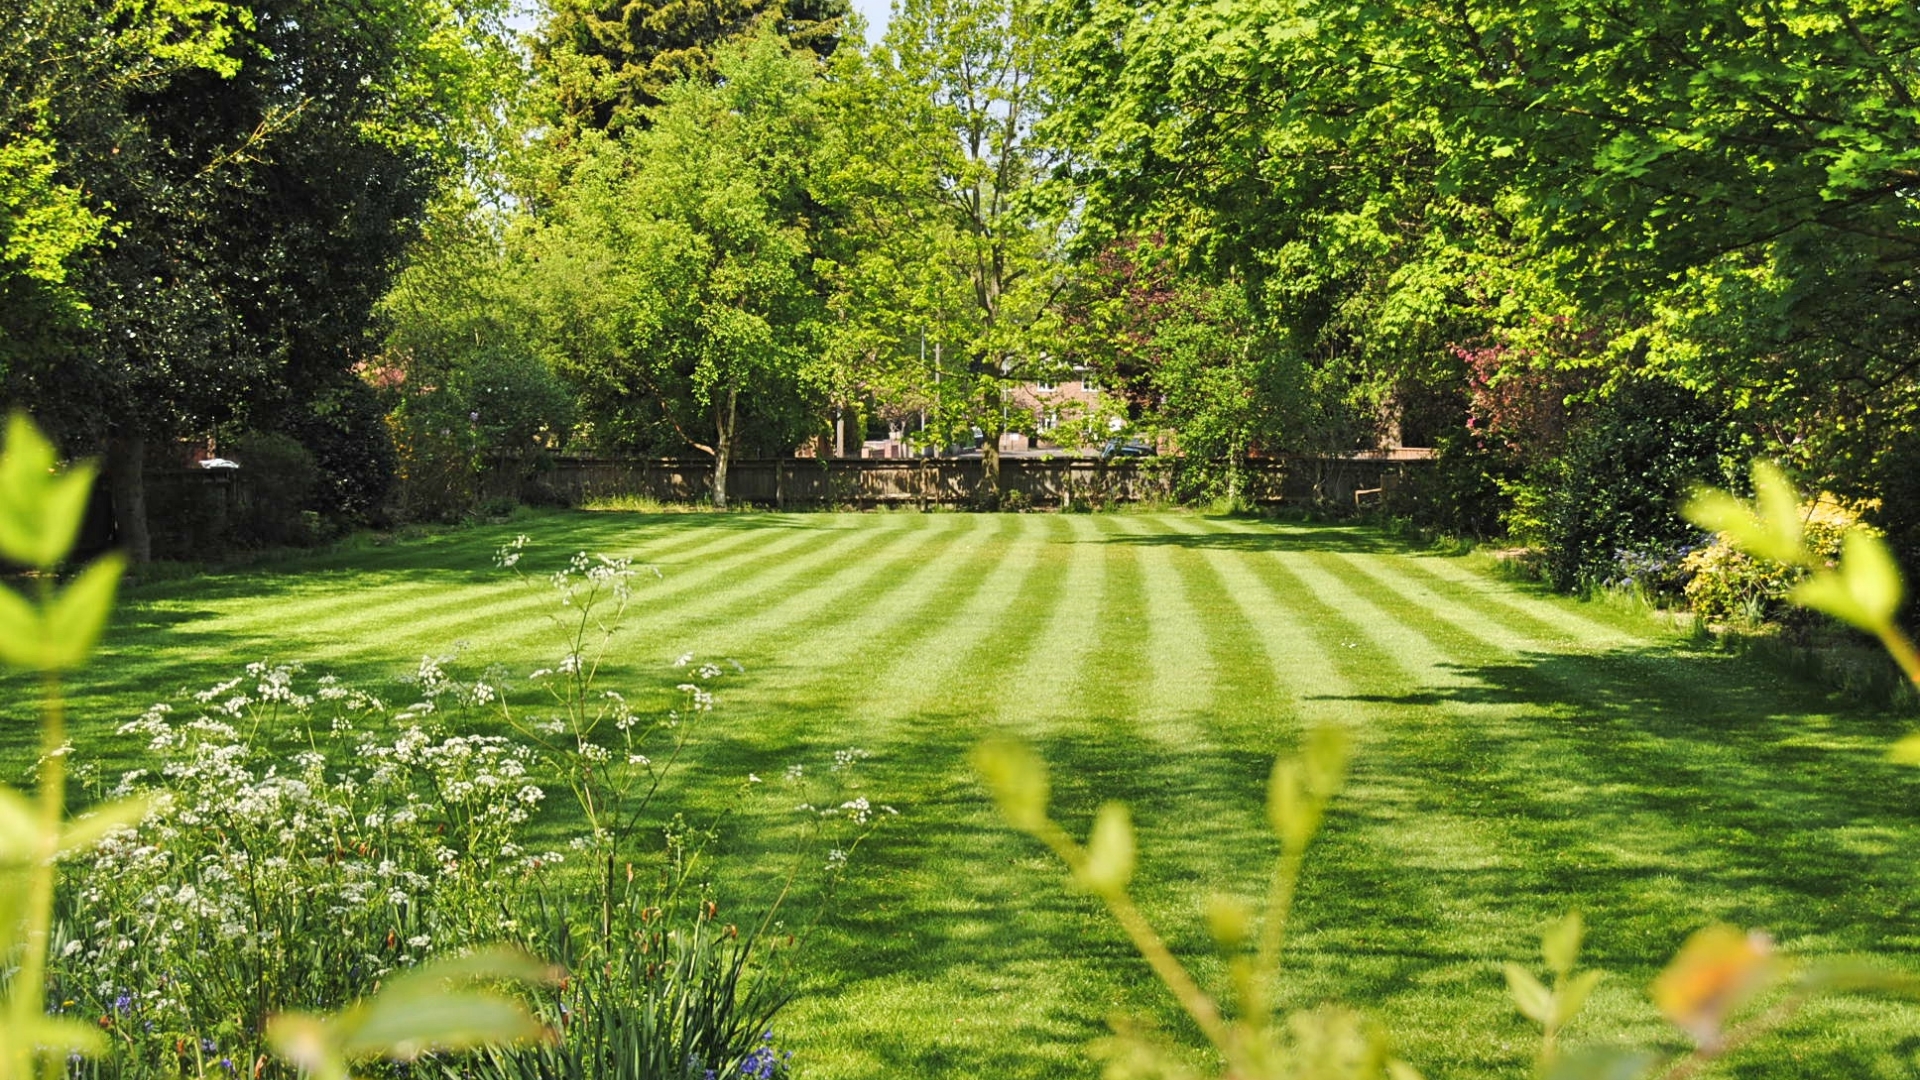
[(127, 484), (723, 451), (990, 471)]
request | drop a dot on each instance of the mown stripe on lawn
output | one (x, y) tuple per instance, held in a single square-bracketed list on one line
[(700, 594), (1464, 617), (954, 682), (1477, 589), (820, 681), (1006, 671), (1056, 675), (1245, 701), (432, 617), (1112, 670), (792, 577), (1171, 707), (753, 620)]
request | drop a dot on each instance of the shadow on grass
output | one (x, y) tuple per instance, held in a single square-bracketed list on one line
[(1345, 539), (1661, 788), (461, 555)]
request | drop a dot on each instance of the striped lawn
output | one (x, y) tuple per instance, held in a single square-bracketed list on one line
[(1518, 755)]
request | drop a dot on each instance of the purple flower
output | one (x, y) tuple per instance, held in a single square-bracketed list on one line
[(761, 1064)]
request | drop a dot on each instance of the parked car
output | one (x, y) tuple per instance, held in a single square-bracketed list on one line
[(1126, 448)]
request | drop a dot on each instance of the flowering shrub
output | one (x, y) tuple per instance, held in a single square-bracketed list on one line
[(1655, 571), (433, 1008), (1725, 584), (306, 841), (264, 881)]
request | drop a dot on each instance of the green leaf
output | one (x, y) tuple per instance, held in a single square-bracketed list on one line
[(1328, 750), (1865, 590), (84, 832), (1561, 944), (420, 1011), (1906, 751), (1534, 1000), (1779, 506), (25, 461), (73, 623), (39, 514), (1871, 574), (1827, 593), (1110, 851), (19, 631), (1017, 779), (1773, 532), (404, 1026), (1292, 813), (1573, 996), (1229, 921), (492, 965), (19, 828), (58, 1036)]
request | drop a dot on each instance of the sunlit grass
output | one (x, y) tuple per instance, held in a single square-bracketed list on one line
[(1519, 755)]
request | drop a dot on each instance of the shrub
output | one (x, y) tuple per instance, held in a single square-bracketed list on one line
[(1622, 479), (437, 479), (484, 433), (345, 430), (1657, 573), (279, 478), (1464, 492), (1727, 585)]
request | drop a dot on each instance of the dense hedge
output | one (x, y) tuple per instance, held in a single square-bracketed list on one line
[(1625, 472)]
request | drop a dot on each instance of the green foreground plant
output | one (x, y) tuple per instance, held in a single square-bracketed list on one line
[(1717, 972), (296, 843), (431, 1009)]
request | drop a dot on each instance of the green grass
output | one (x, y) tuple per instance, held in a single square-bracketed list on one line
[(1518, 755)]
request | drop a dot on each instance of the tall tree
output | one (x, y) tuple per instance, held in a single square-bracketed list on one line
[(1719, 190), (970, 92), (64, 66), (258, 210), (677, 271), (607, 63)]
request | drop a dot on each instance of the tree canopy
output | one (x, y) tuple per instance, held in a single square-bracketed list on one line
[(607, 64)]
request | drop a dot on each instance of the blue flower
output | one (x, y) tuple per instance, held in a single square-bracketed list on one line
[(761, 1064)]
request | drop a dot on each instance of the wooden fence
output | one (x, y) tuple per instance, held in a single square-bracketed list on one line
[(1037, 481)]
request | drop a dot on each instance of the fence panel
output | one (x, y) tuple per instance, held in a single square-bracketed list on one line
[(812, 482)]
